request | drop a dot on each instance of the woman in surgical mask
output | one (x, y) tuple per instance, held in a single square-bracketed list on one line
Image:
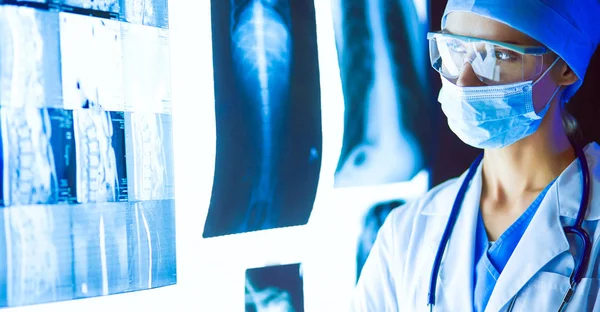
[(519, 230)]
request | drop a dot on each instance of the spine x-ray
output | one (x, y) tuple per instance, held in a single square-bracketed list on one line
[(278, 288), (388, 115), (269, 129)]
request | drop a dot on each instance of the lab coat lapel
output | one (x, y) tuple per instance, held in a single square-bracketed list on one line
[(542, 241), (456, 270)]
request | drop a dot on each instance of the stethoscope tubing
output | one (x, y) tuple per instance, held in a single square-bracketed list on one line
[(577, 229)]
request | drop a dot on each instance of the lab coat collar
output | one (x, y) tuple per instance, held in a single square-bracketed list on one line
[(531, 254), (568, 186), (543, 240)]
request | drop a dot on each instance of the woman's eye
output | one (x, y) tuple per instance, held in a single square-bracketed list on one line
[(505, 56)]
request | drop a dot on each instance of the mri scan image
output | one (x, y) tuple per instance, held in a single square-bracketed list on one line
[(152, 248), (36, 252), (100, 249), (275, 289), (387, 123), (146, 69), (267, 51), (100, 150), (69, 226), (149, 162), (29, 58), (145, 12), (92, 62), (62, 252), (111, 6), (30, 175)]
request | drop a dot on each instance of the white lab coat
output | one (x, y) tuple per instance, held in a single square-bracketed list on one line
[(397, 273)]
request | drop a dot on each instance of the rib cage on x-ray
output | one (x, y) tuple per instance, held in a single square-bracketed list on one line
[(385, 99), (261, 47)]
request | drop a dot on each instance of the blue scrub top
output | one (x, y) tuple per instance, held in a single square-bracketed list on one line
[(490, 260)]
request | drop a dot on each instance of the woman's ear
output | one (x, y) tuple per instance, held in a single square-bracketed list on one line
[(563, 74)]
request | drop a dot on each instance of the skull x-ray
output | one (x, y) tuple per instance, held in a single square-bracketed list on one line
[(267, 52), (389, 105), (277, 288)]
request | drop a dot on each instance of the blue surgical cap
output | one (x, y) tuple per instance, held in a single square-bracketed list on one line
[(570, 28)]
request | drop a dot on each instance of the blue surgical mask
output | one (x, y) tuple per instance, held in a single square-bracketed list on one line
[(492, 116)]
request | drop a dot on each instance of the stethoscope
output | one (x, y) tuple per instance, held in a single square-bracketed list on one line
[(577, 230)]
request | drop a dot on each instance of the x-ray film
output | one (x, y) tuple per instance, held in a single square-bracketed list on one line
[(151, 249), (149, 141), (62, 252), (36, 246), (62, 141), (388, 121), (145, 12), (30, 170), (275, 288), (100, 249), (146, 68), (92, 62), (29, 58), (267, 52), (109, 6), (100, 149)]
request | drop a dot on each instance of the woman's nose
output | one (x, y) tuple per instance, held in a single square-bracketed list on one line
[(468, 78)]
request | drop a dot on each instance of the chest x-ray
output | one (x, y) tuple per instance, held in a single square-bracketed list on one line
[(266, 50), (387, 123), (275, 289)]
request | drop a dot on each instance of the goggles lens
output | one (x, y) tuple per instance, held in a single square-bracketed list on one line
[(494, 63)]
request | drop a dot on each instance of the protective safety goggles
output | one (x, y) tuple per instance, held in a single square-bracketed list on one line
[(493, 62)]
